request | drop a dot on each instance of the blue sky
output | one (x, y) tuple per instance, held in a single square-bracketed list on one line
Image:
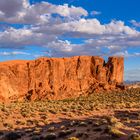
[(61, 28)]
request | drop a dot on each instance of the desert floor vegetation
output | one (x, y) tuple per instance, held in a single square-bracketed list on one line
[(98, 116)]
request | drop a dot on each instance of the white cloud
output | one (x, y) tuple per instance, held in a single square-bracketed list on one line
[(124, 54), (137, 54), (135, 23), (11, 8), (20, 11), (93, 26), (114, 37), (19, 53), (115, 49), (65, 46), (65, 10), (13, 53), (1, 14), (95, 13), (51, 25), (18, 38), (119, 27)]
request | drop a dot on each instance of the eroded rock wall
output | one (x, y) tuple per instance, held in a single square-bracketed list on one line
[(58, 78)]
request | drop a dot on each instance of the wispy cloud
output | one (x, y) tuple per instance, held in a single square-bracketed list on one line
[(19, 53), (13, 53), (135, 23), (95, 13)]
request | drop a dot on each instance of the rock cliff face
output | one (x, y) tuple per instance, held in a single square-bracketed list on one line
[(58, 78)]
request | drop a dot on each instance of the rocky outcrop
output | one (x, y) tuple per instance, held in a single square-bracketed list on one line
[(58, 78)]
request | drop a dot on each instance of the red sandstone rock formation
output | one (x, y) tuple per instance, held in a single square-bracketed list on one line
[(57, 78)]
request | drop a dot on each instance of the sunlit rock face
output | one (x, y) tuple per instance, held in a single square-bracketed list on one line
[(59, 78)]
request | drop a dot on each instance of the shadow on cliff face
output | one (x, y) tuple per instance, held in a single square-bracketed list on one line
[(119, 126)]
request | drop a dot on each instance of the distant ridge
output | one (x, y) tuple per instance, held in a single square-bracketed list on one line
[(131, 82)]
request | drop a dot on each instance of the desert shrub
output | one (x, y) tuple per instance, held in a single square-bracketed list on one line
[(51, 136), (72, 138), (134, 136), (51, 129), (64, 133), (83, 124), (114, 132)]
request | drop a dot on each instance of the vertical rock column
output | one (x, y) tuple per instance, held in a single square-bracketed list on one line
[(115, 72)]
